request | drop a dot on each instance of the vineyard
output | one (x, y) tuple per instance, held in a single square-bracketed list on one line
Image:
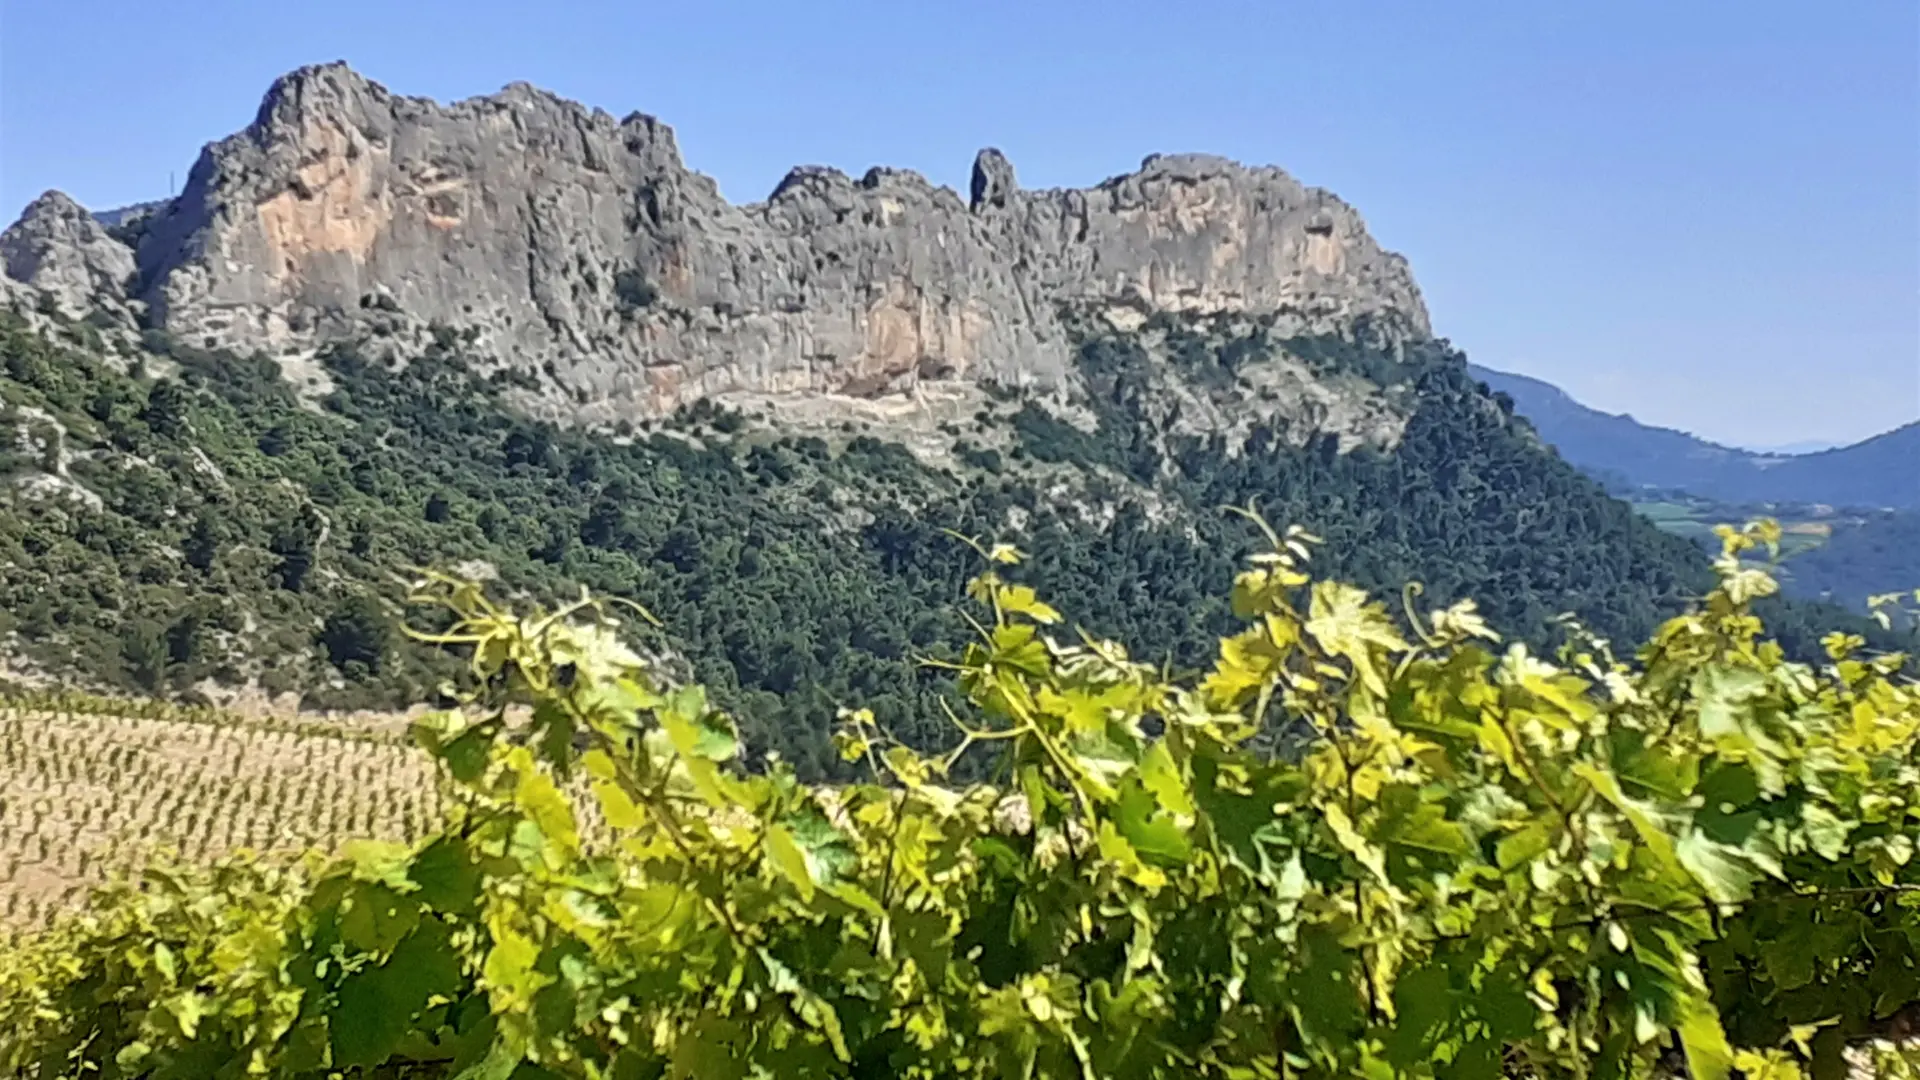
[(1364, 843), (91, 788)]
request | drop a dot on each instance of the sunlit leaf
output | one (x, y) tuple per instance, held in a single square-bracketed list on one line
[(791, 862)]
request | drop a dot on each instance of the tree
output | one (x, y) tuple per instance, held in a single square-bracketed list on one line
[(359, 632), (166, 411), (185, 635), (605, 524), (202, 544), (293, 542), (681, 548), (143, 648)]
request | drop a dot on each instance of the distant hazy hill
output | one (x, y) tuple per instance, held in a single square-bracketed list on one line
[(1883, 471), (1809, 446)]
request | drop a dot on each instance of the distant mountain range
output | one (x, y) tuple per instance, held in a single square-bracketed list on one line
[(1881, 472), (1810, 446)]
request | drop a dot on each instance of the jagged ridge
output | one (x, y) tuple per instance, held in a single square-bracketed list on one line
[(580, 246)]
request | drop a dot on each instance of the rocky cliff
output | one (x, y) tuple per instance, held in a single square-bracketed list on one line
[(568, 243), (60, 250)]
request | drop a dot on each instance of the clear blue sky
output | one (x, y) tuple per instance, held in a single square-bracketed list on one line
[(1706, 213)]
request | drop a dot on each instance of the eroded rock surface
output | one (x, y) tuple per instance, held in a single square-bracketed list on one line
[(580, 246), (59, 249)]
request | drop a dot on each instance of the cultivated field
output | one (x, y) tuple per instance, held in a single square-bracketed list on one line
[(1695, 519), (88, 790)]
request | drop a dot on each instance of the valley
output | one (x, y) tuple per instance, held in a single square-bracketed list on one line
[(1850, 512)]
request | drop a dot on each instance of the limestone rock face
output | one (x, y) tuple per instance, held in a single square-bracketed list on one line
[(59, 249), (568, 242), (993, 182)]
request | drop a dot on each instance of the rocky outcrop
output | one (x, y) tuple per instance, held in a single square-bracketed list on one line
[(993, 182), (576, 244), (59, 249)]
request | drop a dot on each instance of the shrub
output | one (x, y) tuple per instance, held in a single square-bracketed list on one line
[(1355, 846), (632, 289), (357, 633)]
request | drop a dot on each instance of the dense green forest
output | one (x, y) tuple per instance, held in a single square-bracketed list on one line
[(178, 515)]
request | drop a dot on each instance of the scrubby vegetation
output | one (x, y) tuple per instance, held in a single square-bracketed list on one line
[(1458, 859), (175, 517)]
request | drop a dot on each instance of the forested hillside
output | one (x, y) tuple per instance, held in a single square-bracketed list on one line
[(1879, 553), (199, 520)]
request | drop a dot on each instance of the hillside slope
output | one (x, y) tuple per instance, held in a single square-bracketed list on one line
[(202, 525), (1883, 471), (516, 338)]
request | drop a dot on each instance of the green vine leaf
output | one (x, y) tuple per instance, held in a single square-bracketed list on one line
[(1343, 850)]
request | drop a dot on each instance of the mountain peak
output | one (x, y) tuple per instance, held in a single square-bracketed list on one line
[(563, 240), (309, 94), (993, 180), (53, 203), (59, 248)]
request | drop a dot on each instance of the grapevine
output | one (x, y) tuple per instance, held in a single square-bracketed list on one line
[(1461, 860)]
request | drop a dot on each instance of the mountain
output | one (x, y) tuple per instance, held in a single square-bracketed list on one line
[(1883, 471), (1851, 512), (515, 337), (1809, 446), (564, 239)]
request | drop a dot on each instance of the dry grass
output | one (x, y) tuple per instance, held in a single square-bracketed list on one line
[(88, 794)]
